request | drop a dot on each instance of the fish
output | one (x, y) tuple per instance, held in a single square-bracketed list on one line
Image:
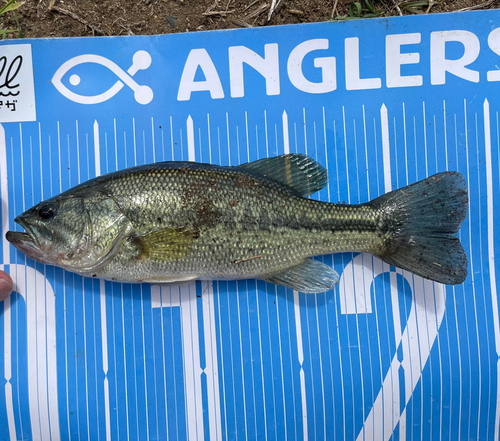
[(182, 221)]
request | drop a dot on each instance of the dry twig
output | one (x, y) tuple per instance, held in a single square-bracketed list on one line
[(257, 12), (126, 28), (481, 6), (241, 23), (334, 10), (222, 13), (396, 5), (216, 3), (54, 7), (295, 12), (38, 7), (250, 5), (272, 9)]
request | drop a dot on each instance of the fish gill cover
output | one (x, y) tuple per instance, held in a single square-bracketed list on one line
[(380, 104)]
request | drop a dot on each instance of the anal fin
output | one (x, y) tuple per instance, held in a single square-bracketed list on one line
[(310, 277)]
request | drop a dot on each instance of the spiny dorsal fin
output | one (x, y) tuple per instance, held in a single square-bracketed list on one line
[(298, 171), (166, 245)]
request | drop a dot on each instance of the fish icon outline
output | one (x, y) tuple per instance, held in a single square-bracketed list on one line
[(140, 61)]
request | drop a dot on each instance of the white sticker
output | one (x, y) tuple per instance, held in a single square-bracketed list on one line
[(17, 89)]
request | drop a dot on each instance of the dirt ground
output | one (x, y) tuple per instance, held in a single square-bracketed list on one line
[(74, 18)]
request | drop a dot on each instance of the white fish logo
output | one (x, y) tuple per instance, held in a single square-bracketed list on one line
[(140, 61)]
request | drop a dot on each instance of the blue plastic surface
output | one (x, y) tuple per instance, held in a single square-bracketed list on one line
[(384, 356)]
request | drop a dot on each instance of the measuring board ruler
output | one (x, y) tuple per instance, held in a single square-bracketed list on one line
[(386, 355)]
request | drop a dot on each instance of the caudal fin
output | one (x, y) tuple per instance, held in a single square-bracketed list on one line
[(423, 219)]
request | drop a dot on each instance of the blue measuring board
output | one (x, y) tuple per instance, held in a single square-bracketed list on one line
[(386, 355)]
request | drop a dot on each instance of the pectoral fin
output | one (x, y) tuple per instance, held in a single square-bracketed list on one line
[(310, 277), (166, 245)]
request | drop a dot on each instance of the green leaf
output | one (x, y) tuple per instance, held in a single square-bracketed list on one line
[(20, 35), (355, 10), (11, 5), (4, 32), (370, 7), (414, 6)]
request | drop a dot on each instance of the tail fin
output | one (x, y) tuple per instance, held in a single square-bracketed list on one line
[(423, 219)]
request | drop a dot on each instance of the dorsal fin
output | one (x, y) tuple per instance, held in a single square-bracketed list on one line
[(298, 171)]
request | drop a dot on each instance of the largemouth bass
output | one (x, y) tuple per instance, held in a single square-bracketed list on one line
[(181, 221)]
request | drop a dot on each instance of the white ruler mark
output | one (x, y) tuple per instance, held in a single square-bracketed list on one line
[(286, 136), (491, 253), (395, 403), (191, 358), (422, 322), (472, 377), (162, 293), (211, 365), (190, 138), (44, 410), (354, 287), (144, 367), (9, 403), (102, 294), (386, 149), (296, 308), (5, 195)]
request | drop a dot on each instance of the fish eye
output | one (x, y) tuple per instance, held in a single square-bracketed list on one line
[(46, 212)]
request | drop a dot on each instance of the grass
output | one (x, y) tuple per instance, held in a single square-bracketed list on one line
[(416, 7), (357, 10), (11, 6), (367, 9)]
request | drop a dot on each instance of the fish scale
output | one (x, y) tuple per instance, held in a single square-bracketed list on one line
[(177, 221), (267, 229)]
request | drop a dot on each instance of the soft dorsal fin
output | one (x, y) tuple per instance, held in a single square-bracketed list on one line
[(298, 171)]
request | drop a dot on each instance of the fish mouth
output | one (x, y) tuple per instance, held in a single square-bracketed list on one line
[(26, 242)]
